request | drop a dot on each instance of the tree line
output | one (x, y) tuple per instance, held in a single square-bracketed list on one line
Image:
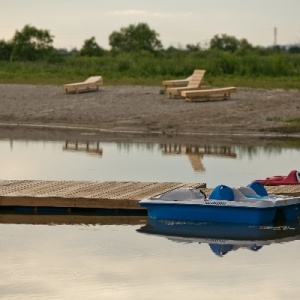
[(136, 55), (33, 44)]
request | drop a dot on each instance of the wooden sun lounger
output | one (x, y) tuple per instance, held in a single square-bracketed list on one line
[(208, 94), (91, 84), (176, 82), (194, 83)]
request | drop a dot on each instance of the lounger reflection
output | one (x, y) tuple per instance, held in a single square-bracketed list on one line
[(92, 148), (196, 153)]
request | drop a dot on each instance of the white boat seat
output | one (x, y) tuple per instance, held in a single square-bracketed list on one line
[(248, 192), (238, 195)]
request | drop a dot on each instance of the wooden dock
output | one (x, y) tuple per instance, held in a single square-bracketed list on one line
[(83, 194), (113, 195)]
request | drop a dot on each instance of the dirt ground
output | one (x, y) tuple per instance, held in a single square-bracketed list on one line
[(141, 110)]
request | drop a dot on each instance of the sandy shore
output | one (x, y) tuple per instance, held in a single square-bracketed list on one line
[(143, 110)]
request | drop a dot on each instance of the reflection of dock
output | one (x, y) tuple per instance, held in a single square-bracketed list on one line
[(92, 148), (70, 219), (196, 153)]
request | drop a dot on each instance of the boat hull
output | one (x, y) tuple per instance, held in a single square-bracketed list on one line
[(207, 213), (245, 205), (286, 213), (292, 178)]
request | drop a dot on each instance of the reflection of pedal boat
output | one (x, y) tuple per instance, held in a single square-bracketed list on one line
[(250, 205), (292, 178), (215, 231), (223, 237)]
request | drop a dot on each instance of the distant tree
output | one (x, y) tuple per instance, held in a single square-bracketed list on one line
[(224, 42), (74, 51), (63, 51), (91, 48), (135, 38), (294, 49), (171, 49), (31, 44), (244, 44), (278, 48), (245, 47), (191, 47), (5, 50)]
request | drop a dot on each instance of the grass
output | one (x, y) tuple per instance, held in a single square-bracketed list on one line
[(293, 120), (60, 80), (290, 125), (222, 69), (46, 78), (285, 129)]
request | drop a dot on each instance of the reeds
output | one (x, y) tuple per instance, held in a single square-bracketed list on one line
[(280, 69)]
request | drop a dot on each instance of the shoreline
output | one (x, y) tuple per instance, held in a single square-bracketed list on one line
[(65, 135), (95, 130), (141, 111)]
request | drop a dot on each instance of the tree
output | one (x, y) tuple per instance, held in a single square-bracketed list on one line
[(31, 44), (228, 43), (294, 49), (91, 48), (5, 50), (171, 49), (191, 47), (135, 38)]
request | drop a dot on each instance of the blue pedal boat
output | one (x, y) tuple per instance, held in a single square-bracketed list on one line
[(246, 205)]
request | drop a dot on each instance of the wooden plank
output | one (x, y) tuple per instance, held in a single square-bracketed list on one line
[(176, 83), (32, 201), (176, 93), (207, 94), (194, 82), (291, 190), (83, 194), (156, 189), (90, 84), (81, 88)]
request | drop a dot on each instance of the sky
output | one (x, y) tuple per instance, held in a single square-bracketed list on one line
[(178, 23)]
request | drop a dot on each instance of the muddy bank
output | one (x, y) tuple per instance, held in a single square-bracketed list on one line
[(140, 112)]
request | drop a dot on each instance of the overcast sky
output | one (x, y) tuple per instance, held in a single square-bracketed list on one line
[(178, 23)]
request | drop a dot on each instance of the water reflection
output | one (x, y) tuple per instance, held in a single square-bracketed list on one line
[(196, 153), (70, 219), (212, 164), (191, 150), (223, 238), (92, 148), (104, 257)]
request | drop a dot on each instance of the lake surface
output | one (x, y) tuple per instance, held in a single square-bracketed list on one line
[(118, 257), (213, 165)]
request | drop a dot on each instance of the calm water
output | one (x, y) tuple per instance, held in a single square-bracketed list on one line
[(102, 257), (233, 165)]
